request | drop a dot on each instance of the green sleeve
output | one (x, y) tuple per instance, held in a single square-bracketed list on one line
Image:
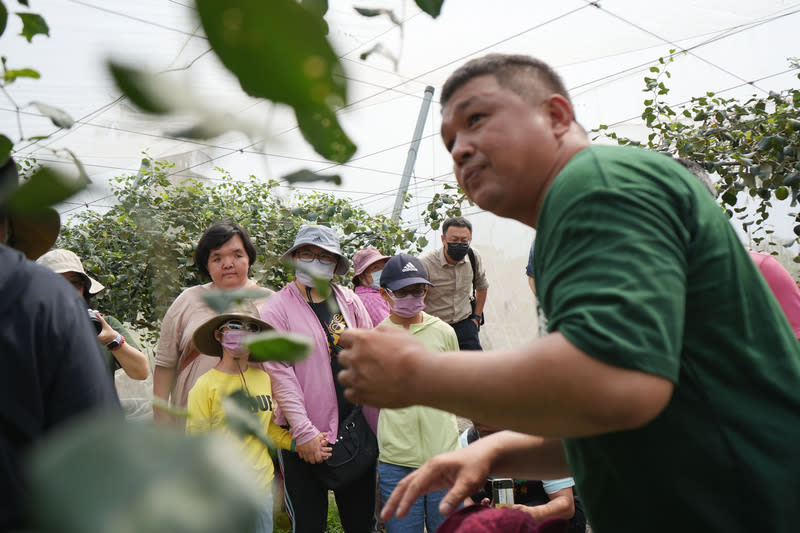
[(122, 330), (611, 267)]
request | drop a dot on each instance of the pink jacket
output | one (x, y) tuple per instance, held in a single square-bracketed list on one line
[(783, 287), (304, 391)]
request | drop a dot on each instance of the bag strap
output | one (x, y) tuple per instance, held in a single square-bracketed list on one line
[(471, 255)]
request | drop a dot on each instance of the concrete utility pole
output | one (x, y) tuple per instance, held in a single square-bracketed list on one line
[(412, 153)]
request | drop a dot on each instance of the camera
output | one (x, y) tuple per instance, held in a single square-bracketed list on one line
[(95, 320)]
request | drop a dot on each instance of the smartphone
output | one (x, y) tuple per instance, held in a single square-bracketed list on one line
[(502, 492)]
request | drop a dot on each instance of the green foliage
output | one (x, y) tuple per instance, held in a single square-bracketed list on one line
[(752, 146), (44, 188), (142, 248), (278, 50), (240, 416), (32, 25), (106, 474), (431, 7), (274, 346), (445, 205)]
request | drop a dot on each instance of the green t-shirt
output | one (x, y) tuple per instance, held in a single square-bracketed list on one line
[(637, 266)]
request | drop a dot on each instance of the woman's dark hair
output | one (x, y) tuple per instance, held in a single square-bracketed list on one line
[(215, 236)]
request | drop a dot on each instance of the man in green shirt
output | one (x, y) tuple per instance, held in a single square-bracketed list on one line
[(669, 381)]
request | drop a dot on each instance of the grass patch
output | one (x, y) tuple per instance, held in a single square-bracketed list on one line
[(283, 525)]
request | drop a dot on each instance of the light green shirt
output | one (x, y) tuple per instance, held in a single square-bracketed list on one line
[(412, 435)]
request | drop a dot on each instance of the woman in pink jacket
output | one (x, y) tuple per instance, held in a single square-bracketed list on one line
[(311, 401)]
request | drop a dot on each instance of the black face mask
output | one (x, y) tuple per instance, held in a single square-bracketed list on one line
[(457, 250)]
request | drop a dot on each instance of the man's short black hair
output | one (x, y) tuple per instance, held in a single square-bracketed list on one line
[(459, 222), (215, 236), (524, 75)]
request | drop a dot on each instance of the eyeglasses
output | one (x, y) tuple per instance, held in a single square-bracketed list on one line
[(250, 327), (306, 256), (405, 292)]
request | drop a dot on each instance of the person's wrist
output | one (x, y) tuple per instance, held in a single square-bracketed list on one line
[(116, 343)]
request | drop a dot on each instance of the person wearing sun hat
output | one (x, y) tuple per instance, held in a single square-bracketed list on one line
[(51, 369), (410, 436), (312, 401), (367, 266), (222, 336), (121, 349)]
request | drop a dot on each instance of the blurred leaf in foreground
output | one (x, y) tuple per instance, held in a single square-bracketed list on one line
[(104, 474)]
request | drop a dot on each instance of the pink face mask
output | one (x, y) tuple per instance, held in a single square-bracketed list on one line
[(232, 341), (408, 306)]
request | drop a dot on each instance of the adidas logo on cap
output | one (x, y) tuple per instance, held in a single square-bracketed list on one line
[(410, 267)]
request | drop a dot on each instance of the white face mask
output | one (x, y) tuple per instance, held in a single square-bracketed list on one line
[(376, 280), (316, 268)]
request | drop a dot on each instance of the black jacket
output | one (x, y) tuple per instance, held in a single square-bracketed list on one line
[(51, 368)]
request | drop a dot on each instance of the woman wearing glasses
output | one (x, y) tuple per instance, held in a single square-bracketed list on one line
[(221, 336), (310, 398), (224, 254)]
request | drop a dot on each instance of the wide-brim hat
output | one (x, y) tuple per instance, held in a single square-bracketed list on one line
[(203, 337), (321, 237), (366, 258), (403, 270), (61, 261), (32, 233)]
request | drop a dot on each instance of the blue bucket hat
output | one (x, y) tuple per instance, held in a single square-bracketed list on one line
[(322, 237)]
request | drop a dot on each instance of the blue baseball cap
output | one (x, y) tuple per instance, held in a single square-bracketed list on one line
[(403, 270)]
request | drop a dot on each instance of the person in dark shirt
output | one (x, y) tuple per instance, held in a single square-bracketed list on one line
[(51, 369)]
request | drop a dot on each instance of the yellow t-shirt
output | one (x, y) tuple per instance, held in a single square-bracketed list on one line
[(206, 414)]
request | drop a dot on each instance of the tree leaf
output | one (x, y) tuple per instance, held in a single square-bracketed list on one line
[(45, 188), (278, 346), (222, 300), (57, 116), (368, 12), (781, 193), (306, 176), (33, 24), (276, 50), (431, 7), (100, 475), (139, 86), (315, 7), (11, 75), (83, 177), (241, 418), (321, 129), (5, 149), (382, 50), (3, 18)]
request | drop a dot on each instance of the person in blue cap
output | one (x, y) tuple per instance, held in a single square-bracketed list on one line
[(410, 436)]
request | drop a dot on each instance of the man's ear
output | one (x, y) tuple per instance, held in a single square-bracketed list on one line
[(561, 114)]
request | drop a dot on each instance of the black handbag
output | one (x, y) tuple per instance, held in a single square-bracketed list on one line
[(355, 450)]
